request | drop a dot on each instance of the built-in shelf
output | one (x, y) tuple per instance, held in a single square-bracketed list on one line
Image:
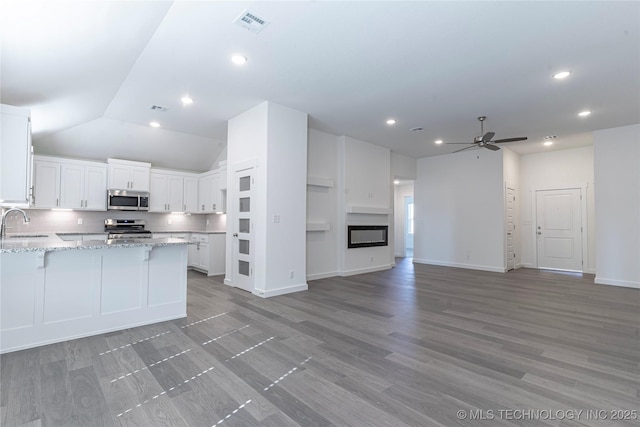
[(319, 182), (318, 226), (367, 210)]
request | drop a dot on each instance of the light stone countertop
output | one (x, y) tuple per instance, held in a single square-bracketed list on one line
[(51, 242)]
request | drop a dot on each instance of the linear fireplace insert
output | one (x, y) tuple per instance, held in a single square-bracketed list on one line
[(364, 236)]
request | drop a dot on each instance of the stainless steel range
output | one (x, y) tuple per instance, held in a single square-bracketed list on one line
[(120, 229)]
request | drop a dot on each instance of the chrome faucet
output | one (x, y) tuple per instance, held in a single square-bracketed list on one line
[(4, 217)]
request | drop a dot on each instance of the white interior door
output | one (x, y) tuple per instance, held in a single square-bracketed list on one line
[(511, 234), (242, 230), (559, 229)]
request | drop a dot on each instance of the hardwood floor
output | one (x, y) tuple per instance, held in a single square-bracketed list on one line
[(410, 346)]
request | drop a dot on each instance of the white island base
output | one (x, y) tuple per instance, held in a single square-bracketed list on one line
[(53, 296)]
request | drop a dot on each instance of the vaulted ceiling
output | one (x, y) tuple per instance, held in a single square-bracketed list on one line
[(91, 70)]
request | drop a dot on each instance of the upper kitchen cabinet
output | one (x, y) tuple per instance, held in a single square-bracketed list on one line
[(210, 198), (15, 156), (83, 185), (172, 191), (69, 184), (128, 175)]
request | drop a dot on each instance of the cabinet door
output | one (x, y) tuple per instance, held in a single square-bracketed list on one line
[(119, 177), (190, 195), (95, 188), (204, 256), (47, 184), (71, 186), (214, 205), (158, 195), (204, 194), (175, 190), (139, 178), (15, 159), (192, 255)]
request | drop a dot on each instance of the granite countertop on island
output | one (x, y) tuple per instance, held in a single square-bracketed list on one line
[(51, 242)]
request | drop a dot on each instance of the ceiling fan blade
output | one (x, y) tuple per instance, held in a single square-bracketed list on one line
[(459, 142), (487, 136), (491, 147), (465, 148), (522, 138)]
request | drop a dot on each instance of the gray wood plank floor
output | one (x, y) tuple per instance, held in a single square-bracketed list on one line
[(411, 346)]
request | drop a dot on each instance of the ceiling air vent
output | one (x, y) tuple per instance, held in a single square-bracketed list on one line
[(159, 108), (251, 22)]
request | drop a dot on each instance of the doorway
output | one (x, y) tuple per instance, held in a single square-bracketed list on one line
[(511, 233), (559, 229), (408, 226)]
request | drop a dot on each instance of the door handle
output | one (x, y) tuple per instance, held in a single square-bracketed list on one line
[(539, 232), (235, 234)]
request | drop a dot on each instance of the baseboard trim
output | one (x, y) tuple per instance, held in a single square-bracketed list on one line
[(280, 291), (616, 282), (458, 265), (365, 270), (322, 275)]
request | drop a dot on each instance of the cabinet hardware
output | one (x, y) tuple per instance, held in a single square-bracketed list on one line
[(184, 208), (56, 202)]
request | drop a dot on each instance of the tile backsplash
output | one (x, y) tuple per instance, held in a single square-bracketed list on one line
[(49, 221)]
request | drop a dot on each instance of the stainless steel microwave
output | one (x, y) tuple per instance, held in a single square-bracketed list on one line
[(126, 200)]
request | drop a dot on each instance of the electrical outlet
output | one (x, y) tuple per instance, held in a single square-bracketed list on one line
[(79, 221)]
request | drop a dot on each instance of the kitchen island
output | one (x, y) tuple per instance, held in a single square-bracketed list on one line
[(53, 290)]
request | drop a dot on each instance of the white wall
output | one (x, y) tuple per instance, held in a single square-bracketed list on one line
[(273, 139), (322, 206), (286, 198), (554, 170), (102, 138), (459, 210), (403, 167), (617, 208), (366, 179)]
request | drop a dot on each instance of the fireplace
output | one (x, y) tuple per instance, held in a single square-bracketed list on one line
[(365, 236)]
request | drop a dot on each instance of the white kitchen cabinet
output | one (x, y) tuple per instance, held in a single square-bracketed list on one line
[(190, 199), (209, 193), (165, 192), (128, 175), (173, 192), (208, 253), (15, 156), (69, 184), (46, 184), (83, 186)]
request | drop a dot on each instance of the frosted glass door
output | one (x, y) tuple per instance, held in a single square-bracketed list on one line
[(243, 231)]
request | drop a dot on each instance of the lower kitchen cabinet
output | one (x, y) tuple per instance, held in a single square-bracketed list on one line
[(207, 253)]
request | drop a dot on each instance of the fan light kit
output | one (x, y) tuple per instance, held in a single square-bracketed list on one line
[(484, 140)]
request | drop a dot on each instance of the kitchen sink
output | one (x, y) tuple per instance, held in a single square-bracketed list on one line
[(27, 236)]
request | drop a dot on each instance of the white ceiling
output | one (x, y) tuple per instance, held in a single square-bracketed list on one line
[(90, 71)]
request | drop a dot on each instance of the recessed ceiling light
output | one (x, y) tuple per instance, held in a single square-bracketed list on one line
[(186, 100), (391, 121), (154, 124), (584, 113), (439, 141), (239, 59), (396, 181), (561, 75), (548, 143)]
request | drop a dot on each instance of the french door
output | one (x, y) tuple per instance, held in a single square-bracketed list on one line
[(242, 229)]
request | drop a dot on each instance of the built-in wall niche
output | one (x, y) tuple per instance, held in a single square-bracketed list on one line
[(365, 236)]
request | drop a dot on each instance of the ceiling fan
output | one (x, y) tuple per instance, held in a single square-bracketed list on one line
[(485, 139)]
